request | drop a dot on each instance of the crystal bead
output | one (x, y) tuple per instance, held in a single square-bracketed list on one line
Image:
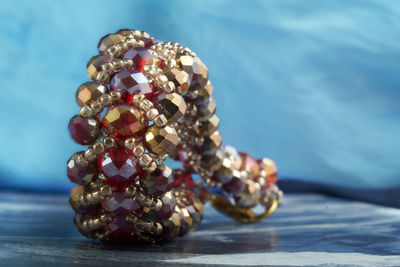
[(180, 78), (158, 182), (124, 121), (94, 66), (89, 92), (84, 131), (173, 106), (120, 204), (81, 175), (133, 81), (119, 167), (108, 41), (140, 57), (168, 207), (161, 140)]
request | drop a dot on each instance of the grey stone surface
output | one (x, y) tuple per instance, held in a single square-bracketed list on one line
[(307, 230)]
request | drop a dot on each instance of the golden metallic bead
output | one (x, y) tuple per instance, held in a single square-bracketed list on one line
[(97, 106), (160, 120), (180, 78), (172, 225), (74, 196), (110, 40), (196, 69), (213, 162), (211, 143), (98, 148), (90, 155), (206, 110), (204, 93), (161, 140), (208, 126), (89, 92), (130, 143), (106, 100), (173, 106), (95, 66), (152, 114), (109, 142), (145, 160), (86, 112), (138, 150)]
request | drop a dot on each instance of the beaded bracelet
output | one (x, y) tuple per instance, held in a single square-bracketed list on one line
[(147, 101)]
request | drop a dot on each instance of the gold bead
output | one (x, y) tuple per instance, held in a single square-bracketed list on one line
[(204, 93), (206, 110), (161, 140), (74, 196), (138, 150), (89, 92), (86, 112), (173, 106), (130, 143), (160, 120), (211, 143), (208, 126), (98, 148), (109, 142), (145, 160), (180, 78)]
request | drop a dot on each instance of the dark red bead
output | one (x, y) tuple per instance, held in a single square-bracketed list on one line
[(158, 182), (235, 186), (183, 178), (81, 175), (120, 204), (140, 57), (120, 230), (119, 167), (133, 81), (84, 131)]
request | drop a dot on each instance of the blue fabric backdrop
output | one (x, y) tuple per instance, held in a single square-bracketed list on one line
[(312, 84)]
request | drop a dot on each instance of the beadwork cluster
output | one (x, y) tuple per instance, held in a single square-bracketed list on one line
[(148, 101)]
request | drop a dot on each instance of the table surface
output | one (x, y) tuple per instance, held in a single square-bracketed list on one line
[(307, 230)]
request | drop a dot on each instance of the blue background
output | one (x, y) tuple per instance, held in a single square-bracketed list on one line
[(312, 84)]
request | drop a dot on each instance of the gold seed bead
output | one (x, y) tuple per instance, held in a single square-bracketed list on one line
[(140, 43), (146, 35), (116, 96), (86, 112), (109, 142), (131, 42), (151, 167), (130, 190), (81, 160), (152, 114), (124, 47), (97, 107), (130, 143), (137, 34), (98, 148), (169, 87), (138, 98), (160, 120), (108, 67), (161, 79), (90, 155), (138, 150), (106, 100), (146, 105), (113, 50), (128, 63), (145, 160), (118, 64)]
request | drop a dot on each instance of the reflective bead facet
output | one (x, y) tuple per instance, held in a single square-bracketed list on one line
[(168, 207), (124, 121), (210, 143), (119, 167), (108, 41), (89, 92), (180, 78), (84, 131), (120, 230), (120, 204), (158, 182), (140, 57), (205, 93), (196, 69), (206, 110), (208, 126), (133, 81), (250, 165), (173, 106), (161, 140), (81, 175), (94, 66)]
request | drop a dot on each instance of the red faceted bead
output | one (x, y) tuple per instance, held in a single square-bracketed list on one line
[(183, 178), (120, 230), (148, 42), (140, 57), (158, 182), (119, 167), (120, 204), (84, 131), (126, 97), (133, 81), (235, 186), (81, 175)]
